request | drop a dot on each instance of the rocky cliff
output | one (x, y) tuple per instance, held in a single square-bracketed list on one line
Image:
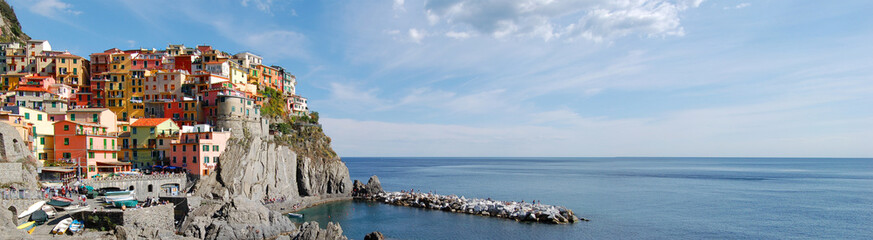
[(14, 150), (258, 165), (9, 25)]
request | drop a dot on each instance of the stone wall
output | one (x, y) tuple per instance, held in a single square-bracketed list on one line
[(10, 172), (141, 186)]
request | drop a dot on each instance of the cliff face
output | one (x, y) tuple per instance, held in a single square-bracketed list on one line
[(257, 165), (9, 25), (14, 150)]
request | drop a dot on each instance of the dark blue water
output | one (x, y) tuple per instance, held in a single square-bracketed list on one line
[(625, 198)]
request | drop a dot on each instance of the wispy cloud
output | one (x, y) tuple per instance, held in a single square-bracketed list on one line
[(263, 5), (53, 8), (594, 20), (738, 6)]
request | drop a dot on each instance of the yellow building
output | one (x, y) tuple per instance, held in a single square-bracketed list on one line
[(42, 130), (119, 77)]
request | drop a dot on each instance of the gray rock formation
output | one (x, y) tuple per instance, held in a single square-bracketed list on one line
[(14, 150), (257, 165), (240, 218), (374, 236), (311, 231), (372, 187), (148, 223)]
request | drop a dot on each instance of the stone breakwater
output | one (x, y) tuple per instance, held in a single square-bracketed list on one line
[(522, 212)]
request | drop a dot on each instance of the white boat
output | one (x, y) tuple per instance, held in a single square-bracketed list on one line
[(49, 210), (62, 226), (31, 209), (111, 199), (76, 209), (296, 215)]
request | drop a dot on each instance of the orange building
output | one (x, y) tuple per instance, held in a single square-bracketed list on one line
[(91, 147)]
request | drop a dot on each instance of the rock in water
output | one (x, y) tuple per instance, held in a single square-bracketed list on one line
[(374, 186), (374, 236)]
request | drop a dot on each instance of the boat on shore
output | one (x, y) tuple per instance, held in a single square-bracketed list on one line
[(62, 199), (75, 209), (62, 226), (57, 203), (125, 203), (118, 193), (295, 215), (33, 208), (118, 198), (77, 226), (49, 210)]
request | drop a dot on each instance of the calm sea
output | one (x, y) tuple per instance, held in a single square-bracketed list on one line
[(625, 198)]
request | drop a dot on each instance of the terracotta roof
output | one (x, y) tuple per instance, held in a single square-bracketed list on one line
[(31, 89), (149, 122)]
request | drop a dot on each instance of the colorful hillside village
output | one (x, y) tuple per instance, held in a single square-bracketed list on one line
[(124, 110)]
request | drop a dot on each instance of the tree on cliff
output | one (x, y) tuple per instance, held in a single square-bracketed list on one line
[(9, 25)]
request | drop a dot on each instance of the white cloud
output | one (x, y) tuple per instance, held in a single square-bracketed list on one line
[(416, 35), (276, 43), (398, 5), (53, 8), (263, 5), (548, 19), (738, 6), (458, 35), (131, 43)]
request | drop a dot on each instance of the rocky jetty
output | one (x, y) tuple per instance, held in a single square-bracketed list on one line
[(523, 212), (374, 236)]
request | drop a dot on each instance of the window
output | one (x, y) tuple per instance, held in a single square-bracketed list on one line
[(205, 159), (66, 127), (184, 148), (27, 116), (42, 140), (215, 148), (124, 128), (152, 130), (193, 159), (66, 155), (91, 143), (91, 155), (133, 130), (184, 159), (104, 144), (205, 148), (55, 104), (174, 148), (114, 156), (174, 159), (66, 141), (161, 142), (39, 117), (73, 117), (94, 116)]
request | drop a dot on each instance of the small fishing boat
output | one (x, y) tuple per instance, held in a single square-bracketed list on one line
[(77, 226), (118, 198), (31, 209), (295, 215), (62, 199), (75, 209), (31, 229), (26, 225), (125, 203), (117, 193), (62, 226), (49, 210), (39, 216), (57, 203)]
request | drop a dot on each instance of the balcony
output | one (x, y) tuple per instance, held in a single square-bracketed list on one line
[(144, 146)]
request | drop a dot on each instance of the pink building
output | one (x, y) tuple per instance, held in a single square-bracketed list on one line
[(198, 149), (91, 147)]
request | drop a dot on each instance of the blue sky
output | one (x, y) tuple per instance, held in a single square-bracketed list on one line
[(535, 77)]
